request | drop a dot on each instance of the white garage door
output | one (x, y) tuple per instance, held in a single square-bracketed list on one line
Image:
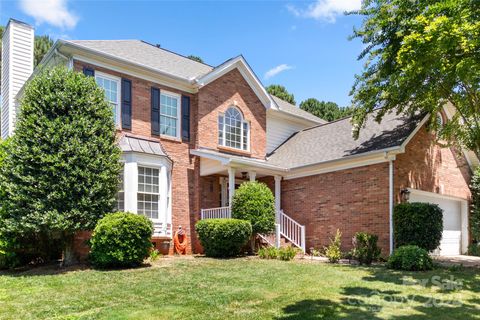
[(451, 243)]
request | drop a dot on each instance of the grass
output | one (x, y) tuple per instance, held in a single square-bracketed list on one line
[(244, 288)]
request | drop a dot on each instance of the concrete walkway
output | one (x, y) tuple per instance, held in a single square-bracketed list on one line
[(466, 261)]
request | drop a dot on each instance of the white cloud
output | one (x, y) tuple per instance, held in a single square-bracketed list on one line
[(276, 70), (54, 12), (326, 10)]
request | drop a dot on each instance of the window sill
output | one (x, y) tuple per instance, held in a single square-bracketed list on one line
[(170, 138), (233, 150)]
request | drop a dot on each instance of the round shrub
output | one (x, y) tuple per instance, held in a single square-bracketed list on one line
[(410, 258), (223, 237), (365, 248), (254, 201), (121, 239), (419, 224)]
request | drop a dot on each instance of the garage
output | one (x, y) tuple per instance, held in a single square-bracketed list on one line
[(455, 221)]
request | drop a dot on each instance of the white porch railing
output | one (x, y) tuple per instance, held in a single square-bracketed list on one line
[(286, 227), (216, 213), (292, 230)]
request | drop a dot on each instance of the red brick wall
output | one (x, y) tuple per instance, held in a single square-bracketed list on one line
[(185, 203), (217, 97), (427, 166), (351, 200)]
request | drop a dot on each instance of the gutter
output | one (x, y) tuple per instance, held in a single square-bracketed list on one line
[(390, 204)]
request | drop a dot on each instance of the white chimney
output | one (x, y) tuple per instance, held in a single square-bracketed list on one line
[(17, 66)]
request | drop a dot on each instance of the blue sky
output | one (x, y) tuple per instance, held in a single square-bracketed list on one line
[(301, 45)]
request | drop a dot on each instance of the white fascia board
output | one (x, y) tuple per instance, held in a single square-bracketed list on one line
[(280, 114), (342, 164), (248, 74), (435, 195)]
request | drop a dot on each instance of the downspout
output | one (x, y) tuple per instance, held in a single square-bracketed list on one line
[(390, 215)]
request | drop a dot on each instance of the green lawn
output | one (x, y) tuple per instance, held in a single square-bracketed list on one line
[(202, 288)]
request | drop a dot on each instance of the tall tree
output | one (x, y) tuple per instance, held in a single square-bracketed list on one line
[(41, 46), (421, 55), (61, 172), (195, 58), (281, 92), (329, 111)]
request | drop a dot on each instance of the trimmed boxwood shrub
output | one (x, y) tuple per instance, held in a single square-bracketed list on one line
[(254, 201), (365, 248), (121, 239), (223, 237), (410, 258), (419, 224)]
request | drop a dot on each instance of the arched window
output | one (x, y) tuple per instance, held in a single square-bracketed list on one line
[(439, 120), (233, 130)]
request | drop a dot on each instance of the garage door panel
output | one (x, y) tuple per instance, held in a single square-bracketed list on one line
[(450, 243)]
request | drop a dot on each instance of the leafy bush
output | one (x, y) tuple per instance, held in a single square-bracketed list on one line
[(333, 252), (154, 255), (474, 249), (121, 239), (475, 212), (254, 202), (365, 248), (410, 258), (61, 172), (287, 253), (419, 224), (223, 237), (268, 253)]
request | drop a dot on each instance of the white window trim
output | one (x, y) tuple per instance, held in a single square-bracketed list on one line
[(223, 144), (119, 94), (179, 112), (159, 194)]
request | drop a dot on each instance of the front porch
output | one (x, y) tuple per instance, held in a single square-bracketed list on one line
[(221, 174)]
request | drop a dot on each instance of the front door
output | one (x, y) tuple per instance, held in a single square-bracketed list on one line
[(224, 190)]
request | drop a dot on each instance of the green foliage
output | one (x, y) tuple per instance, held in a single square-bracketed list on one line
[(365, 248), (223, 237), (418, 224), (41, 46), (333, 251), (154, 255), (287, 253), (475, 211), (121, 239), (474, 249), (410, 258), (329, 111), (268, 253), (281, 92), (420, 55), (254, 201), (195, 58), (61, 172)]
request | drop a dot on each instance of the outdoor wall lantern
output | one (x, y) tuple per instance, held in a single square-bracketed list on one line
[(405, 195)]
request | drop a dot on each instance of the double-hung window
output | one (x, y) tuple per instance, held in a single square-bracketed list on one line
[(120, 206), (233, 130), (169, 114), (111, 87), (148, 195)]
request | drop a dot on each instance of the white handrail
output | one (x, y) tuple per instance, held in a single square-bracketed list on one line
[(216, 213), (292, 230)]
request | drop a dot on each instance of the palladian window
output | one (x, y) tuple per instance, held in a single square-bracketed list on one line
[(233, 130)]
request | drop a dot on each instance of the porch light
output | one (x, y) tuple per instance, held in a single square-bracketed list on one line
[(244, 175), (405, 195)]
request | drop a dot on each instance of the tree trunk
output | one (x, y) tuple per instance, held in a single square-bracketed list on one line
[(68, 258)]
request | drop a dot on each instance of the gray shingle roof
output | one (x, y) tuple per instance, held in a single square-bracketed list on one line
[(143, 53), (136, 144), (334, 141), (296, 111)]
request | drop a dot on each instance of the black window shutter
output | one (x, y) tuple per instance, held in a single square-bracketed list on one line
[(185, 118), (126, 104), (89, 72), (155, 100)]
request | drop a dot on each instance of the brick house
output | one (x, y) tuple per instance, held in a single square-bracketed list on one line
[(191, 133)]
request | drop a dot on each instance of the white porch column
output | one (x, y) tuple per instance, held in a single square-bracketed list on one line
[(252, 175), (278, 192), (231, 185), (130, 185)]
